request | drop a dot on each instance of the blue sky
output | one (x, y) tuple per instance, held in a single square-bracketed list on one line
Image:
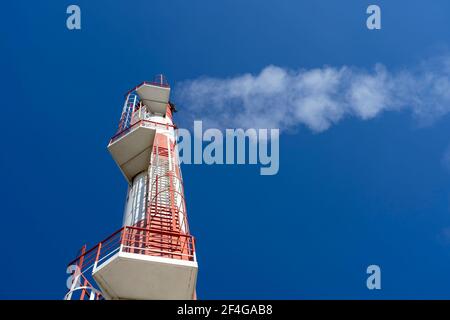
[(359, 193)]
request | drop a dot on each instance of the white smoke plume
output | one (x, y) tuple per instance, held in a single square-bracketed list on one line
[(317, 98)]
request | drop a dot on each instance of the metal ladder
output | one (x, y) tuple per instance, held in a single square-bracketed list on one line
[(162, 214), (127, 113)]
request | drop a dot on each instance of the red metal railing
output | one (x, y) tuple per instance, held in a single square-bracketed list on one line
[(140, 241), (158, 243), (145, 123), (129, 239)]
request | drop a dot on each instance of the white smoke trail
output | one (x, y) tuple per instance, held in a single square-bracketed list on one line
[(317, 98)]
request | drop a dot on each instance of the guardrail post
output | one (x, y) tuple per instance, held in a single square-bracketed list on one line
[(123, 235), (97, 256), (193, 248)]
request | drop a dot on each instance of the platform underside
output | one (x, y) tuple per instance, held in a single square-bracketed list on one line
[(132, 151), (142, 277), (155, 97)]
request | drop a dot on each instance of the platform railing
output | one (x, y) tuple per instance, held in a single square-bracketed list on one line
[(130, 239), (143, 123), (158, 243)]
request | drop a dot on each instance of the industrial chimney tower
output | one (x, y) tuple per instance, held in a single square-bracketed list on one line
[(153, 255)]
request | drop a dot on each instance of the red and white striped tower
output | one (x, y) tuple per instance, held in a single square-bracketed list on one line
[(153, 255)]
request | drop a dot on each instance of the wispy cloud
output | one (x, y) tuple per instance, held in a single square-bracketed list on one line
[(317, 98)]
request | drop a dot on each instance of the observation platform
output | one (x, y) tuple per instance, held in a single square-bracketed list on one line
[(142, 277), (131, 149), (154, 96), (139, 263)]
